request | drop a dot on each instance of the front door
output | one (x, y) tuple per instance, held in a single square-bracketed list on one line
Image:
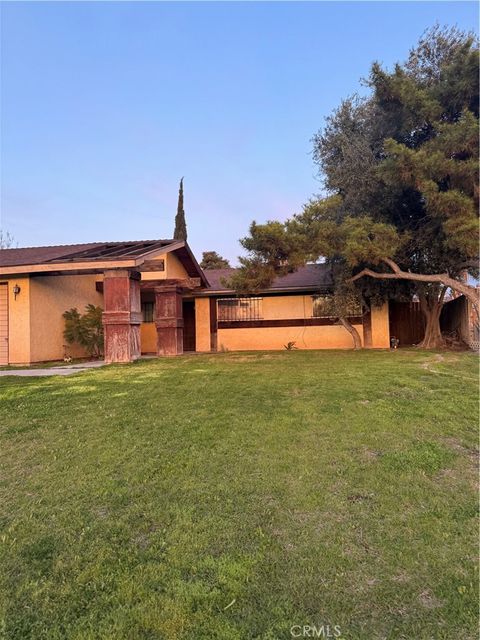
[(189, 325), (3, 324)]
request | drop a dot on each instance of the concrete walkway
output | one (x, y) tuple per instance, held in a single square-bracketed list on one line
[(67, 370)]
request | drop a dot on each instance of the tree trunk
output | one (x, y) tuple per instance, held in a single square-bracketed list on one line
[(357, 341), (431, 306)]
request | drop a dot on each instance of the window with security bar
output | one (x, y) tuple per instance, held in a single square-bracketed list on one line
[(238, 309)]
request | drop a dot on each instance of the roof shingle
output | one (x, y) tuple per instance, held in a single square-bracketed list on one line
[(311, 276), (74, 252)]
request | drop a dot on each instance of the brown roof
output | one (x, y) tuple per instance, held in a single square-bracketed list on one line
[(77, 252), (311, 277)]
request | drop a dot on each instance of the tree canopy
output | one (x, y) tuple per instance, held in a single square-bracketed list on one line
[(400, 171), (212, 260)]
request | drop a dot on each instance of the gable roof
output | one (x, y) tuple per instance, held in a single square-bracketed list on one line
[(95, 256), (311, 277), (77, 252)]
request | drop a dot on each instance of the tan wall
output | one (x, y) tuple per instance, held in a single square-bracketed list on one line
[(19, 321), (50, 296), (380, 327), (271, 338), (156, 275), (173, 269), (202, 324), (148, 337), (287, 307)]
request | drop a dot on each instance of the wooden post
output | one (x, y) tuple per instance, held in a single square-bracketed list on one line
[(122, 315), (169, 320)]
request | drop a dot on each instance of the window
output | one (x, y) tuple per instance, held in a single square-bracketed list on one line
[(323, 307), (238, 309), (147, 311)]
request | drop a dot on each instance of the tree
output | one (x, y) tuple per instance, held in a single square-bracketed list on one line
[(415, 139), (212, 260), (6, 240), (86, 330), (277, 248), (401, 171), (180, 232)]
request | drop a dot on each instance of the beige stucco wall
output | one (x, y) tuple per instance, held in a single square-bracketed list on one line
[(50, 296), (287, 307), (173, 268), (380, 327), (18, 321), (148, 337), (202, 324), (272, 338), (157, 275)]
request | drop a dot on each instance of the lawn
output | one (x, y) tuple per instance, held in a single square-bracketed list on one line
[(239, 495)]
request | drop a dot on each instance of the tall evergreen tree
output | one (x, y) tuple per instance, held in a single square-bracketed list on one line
[(180, 232)]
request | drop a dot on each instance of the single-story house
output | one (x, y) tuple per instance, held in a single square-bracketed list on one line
[(156, 299)]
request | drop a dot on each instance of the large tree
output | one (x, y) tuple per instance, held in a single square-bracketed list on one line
[(401, 170), (212, 260), (407, 156)]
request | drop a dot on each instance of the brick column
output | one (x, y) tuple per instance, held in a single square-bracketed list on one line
[(169, 320), (122, 315)]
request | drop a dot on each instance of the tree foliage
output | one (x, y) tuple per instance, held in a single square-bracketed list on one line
[(180, 232), (400, 168), (85, 330), (212, 260)]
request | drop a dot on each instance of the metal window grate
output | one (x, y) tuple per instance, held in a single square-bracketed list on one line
[(239, 309), (147, 311)]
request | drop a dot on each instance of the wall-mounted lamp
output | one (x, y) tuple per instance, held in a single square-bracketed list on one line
[(16, 291)]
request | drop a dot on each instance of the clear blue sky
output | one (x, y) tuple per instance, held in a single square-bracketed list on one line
[(106, 105)]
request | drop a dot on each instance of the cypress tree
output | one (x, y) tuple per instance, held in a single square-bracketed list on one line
[(180, 232)]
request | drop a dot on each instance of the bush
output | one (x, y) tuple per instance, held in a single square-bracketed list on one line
[(86, 330)]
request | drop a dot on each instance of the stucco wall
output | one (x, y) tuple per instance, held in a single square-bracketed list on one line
[(271, 338), (148, 337), (157, 275), (50, 296), (287, 307), (202, 324), (380, 327), (19, 321), (173, 268)]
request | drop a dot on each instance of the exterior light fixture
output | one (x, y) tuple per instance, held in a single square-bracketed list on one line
[(16, 291)]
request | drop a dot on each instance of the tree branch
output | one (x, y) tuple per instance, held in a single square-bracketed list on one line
[(443, 278)]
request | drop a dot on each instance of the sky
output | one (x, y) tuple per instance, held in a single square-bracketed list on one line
[(105, 106)]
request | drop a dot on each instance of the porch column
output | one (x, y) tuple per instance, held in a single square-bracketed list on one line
[(169, 320), (122, 315)]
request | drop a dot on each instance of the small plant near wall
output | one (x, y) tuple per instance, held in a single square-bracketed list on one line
[(290, 346), (85, 330)]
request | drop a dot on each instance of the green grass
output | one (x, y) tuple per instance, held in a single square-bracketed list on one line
[(235, 495)]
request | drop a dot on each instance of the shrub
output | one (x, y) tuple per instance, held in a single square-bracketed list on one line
[(86, 330)]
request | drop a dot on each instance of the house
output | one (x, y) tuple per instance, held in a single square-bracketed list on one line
[(156, 299)]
